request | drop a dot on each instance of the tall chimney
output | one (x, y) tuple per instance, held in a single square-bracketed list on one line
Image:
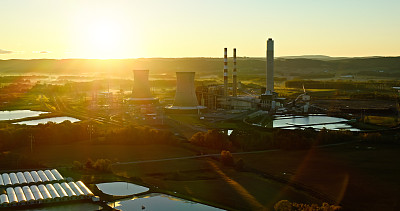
[(225, 72), (270, 66), (234, 74)]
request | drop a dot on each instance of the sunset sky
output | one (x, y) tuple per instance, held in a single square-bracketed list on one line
[(183, 28)]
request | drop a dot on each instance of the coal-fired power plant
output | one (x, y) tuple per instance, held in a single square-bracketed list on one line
[(270, 66), (185, 96), (141, 88)]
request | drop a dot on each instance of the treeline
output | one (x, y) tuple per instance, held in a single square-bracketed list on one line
[(249, 140), (347, 85), (20, 136), (137, 135), (200, 65)]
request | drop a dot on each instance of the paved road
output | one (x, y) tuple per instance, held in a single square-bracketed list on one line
[(191, 157)]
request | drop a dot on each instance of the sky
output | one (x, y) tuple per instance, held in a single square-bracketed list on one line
[(58, 29)]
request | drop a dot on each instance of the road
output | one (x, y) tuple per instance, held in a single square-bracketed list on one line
[(214, 155)]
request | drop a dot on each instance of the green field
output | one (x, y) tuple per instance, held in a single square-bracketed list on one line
[(360, 176)]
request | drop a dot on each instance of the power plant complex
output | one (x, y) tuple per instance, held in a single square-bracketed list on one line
[(227, 96)]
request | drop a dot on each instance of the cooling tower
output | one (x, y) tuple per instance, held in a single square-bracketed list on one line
[(234, 87), (141, 87), (270, 66), (185, 91), (185, 96)]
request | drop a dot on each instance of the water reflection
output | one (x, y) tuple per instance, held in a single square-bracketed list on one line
[(157, 201), (121, 188), (315, 121), (46, 120), (19, 114)]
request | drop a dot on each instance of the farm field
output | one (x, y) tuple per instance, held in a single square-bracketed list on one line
[(349, 173), (64, 155)]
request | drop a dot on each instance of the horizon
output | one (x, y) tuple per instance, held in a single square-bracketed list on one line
[(200, 57), (180, 29)]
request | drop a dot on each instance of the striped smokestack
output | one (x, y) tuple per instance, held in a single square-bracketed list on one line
[(225, 72), (234, 74)]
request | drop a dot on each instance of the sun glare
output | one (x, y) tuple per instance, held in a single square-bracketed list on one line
[(102, 36)]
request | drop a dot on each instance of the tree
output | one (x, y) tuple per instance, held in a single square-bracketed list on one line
[(283, 205), (227, 158)]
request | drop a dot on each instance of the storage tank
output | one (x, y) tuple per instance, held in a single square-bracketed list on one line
[(6, 179), (28, 177), (14, 179), (36, 193), (36, 176), (57, 174), (68, 190), (12, 198), (84, 189), (1, 180), (43, 176), (21, 178), (50, 175), (28, 194)]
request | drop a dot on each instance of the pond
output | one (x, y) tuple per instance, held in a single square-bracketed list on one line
[(315, 121), (19, 114), (121, 188), (158, 201), (46, 120)]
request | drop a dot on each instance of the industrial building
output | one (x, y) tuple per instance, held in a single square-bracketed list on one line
[(22, 189), (226, 96)]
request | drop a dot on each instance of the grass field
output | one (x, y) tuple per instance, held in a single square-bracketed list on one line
[(362, 177), (64, 155), (206, 181), (203, 180)]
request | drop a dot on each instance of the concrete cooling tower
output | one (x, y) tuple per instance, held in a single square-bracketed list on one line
[(141, 87), (185, 97)]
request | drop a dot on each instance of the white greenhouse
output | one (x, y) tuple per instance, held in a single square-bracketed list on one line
[(57, 174), (43, 176), (21, 178), (50, 175), (28, 177), (35, 176)]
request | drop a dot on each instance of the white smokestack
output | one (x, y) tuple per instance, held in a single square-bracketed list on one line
[(270, 66)]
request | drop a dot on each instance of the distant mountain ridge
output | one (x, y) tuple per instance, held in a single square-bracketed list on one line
[(323, 57), (284, 66)]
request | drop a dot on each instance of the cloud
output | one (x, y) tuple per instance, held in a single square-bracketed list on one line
[(2, 51), (42, 52)]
